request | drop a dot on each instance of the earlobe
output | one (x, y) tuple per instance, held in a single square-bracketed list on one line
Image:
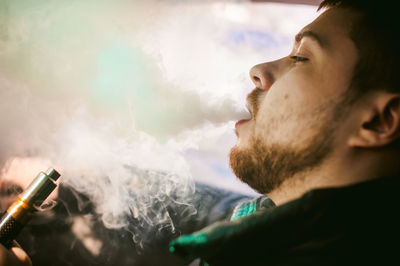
[(381, 125)]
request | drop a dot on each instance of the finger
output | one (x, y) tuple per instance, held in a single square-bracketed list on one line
[(7, 257), (20, 254)]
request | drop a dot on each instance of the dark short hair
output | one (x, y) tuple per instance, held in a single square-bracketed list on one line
[(375, 34)]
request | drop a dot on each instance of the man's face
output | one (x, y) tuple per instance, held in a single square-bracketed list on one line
[(297, 105)]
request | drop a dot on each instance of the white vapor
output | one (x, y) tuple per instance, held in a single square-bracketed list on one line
[(134, 100)]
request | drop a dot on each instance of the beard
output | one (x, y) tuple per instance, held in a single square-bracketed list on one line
[(264, 166)]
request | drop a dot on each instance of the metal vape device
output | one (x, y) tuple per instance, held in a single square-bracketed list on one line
[(21, 211)]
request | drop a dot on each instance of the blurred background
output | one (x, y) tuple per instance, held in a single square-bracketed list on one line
[(134, 103)]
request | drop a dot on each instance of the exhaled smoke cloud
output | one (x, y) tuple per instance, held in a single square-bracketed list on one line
[(131, 100), (132, 179)]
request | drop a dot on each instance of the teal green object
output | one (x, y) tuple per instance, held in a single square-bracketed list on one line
[(192, 239), (205, 242), (244, 210), (171, 249), (188, 240), (250, 207)]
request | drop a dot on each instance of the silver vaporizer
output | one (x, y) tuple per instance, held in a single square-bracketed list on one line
[(22, 210)]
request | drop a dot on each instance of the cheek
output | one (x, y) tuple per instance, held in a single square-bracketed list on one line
[(299, 86), (285, 112), (292, 93)]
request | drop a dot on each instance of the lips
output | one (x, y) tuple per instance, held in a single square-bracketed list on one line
[(240, 122), (250, 109)]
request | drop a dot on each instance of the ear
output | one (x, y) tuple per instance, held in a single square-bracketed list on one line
[(380, 124)]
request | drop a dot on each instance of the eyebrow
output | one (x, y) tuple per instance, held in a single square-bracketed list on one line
[(312, 35)]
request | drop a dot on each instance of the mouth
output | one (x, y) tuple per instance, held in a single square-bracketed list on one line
[(250, 110)]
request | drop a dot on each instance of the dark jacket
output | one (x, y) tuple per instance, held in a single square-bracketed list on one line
[(354, 225)]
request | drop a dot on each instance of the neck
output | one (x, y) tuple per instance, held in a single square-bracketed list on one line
[(337, 171)]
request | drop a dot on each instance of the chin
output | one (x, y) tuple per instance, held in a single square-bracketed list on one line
[(243, 139)]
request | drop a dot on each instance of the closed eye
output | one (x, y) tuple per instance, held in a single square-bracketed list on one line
[(296, 58)]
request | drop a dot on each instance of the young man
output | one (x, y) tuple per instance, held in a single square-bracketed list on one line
[(323, 145)]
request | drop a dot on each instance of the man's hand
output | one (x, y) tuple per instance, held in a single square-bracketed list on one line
[(15, 256)]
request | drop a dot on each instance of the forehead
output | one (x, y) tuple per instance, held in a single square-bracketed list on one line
[(335, 61), (333, 26)]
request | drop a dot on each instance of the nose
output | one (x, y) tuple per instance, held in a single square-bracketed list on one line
[(262, 75)]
